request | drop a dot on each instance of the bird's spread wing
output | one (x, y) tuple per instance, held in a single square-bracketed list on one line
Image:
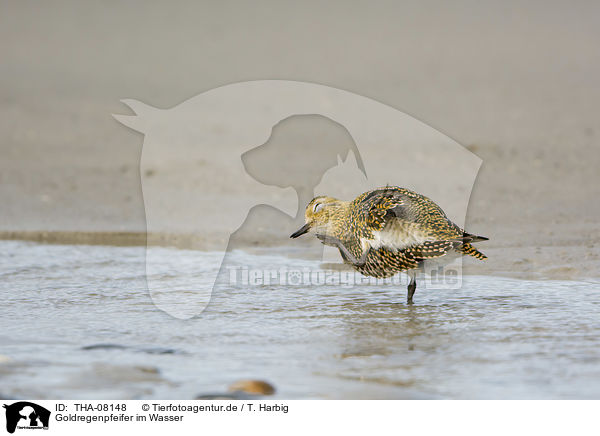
[(378, 207), (409, 224), (375, 208)]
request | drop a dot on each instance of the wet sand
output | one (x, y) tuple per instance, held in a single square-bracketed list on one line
[(515, 83)]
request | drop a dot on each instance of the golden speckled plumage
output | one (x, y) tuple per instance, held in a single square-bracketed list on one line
[(387, 230), (412, 212)]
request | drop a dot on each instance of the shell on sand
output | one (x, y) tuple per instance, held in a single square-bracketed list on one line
[(257, 387)]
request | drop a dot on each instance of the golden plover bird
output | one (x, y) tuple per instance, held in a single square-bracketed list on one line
[(387, 230)]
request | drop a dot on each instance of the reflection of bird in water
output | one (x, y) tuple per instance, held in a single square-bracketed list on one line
[(387, 230)]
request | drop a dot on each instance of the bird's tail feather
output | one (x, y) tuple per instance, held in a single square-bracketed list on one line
[(472, 251), (468, 237)]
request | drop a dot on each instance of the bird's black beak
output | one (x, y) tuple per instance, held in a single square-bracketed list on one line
[(302, 230)]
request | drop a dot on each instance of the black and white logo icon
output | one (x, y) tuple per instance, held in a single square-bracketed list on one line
[(26, 415)]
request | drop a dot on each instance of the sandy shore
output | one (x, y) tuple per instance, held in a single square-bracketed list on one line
[(517, 84)]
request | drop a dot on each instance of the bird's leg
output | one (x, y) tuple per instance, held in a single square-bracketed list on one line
[(346, 254), (412, 287)]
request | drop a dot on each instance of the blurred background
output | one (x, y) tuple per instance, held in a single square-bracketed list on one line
[(515, 82)]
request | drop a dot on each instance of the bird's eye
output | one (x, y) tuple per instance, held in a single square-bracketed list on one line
[(317, 207)]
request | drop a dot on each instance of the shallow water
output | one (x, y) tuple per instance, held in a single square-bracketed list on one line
[(78, 322)]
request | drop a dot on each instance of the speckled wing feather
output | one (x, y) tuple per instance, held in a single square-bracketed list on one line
[(383, 263), (372, 209), (430, 250), (407, 225), (376, 209)]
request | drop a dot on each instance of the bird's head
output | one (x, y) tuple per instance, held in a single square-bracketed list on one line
[(321, 215)]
